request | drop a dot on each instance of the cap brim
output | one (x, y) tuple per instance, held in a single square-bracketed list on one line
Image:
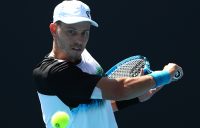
[(73, 20)]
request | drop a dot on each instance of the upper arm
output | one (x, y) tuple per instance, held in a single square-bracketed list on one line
[(74, 83), (68, 82)]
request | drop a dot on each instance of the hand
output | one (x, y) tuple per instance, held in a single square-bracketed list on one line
[(146, 96), (173, 69)]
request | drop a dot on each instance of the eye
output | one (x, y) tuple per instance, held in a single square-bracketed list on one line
[(85, 33), (71, 32)]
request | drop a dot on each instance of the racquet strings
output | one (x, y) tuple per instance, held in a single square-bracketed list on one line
[(131, 68)]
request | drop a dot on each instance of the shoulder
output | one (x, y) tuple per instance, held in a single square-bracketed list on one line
[(50, 72), (50, 66)]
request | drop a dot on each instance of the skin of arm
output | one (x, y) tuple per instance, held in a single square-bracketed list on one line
[(142, 87), (125, 88)]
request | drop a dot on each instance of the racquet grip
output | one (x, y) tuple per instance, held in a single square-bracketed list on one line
[(178, 75)]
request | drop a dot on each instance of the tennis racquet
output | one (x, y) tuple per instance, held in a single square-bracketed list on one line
[(131, 67)]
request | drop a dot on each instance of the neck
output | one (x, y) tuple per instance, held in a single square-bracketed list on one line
[(57, 53)]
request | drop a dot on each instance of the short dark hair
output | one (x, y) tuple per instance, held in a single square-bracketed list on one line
[(58, 22)]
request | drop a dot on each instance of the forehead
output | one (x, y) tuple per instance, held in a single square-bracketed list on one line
[(76, 26)]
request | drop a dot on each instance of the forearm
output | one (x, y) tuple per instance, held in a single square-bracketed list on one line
[(125, 88), (136, 86)]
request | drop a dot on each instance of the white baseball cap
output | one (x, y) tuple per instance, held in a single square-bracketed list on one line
[(73, 11)]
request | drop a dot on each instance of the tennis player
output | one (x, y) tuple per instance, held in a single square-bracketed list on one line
[(69, 79)]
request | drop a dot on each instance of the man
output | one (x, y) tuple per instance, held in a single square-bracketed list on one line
[(69, 79)]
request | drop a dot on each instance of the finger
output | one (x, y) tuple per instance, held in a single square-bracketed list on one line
[(154, 90), (165, 66), (141, 72), (159, 88)]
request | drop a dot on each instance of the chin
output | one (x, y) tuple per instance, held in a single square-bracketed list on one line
[(76, 57)]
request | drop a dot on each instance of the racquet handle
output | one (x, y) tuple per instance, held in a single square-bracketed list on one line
[(178, 75)]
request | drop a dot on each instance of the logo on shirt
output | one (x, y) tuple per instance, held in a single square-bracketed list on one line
[(99, 71)]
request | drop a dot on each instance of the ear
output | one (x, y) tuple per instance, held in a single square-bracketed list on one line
[(52, 28)]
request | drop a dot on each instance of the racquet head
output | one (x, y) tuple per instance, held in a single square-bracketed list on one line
[(130, 67)]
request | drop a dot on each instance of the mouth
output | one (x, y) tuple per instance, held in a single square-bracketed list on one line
[(77, 49)]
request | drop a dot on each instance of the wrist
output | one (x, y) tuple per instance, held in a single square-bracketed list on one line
[(161, 77)]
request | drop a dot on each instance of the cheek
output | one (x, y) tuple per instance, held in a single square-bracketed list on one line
[(86, 40), (85, 43), (66, 39), (62, 43), (62, 38)]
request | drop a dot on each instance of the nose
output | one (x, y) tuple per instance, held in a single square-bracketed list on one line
[(80, 39)]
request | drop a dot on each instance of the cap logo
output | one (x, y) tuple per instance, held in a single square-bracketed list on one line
[(88, 14)]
